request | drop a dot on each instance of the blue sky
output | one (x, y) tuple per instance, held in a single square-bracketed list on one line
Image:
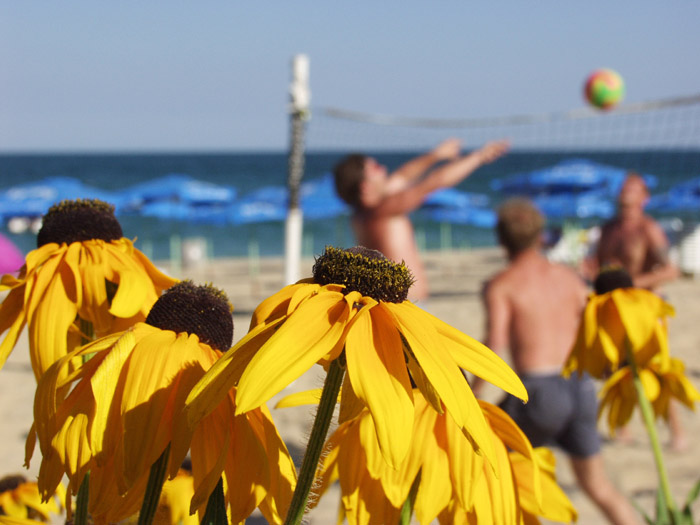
[(213, 75)]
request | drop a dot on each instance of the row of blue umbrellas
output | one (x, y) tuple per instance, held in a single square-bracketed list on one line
[(175, 197), (574, 188)]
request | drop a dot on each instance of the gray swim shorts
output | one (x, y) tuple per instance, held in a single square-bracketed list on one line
[(560, 412)]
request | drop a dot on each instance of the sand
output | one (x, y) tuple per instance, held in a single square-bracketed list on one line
[(455, 279)]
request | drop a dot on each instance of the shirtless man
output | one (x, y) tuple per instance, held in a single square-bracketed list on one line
[(382, 201), (533, 309), (636, 242)]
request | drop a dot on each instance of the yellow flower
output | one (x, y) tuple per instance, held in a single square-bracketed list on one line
[(661, 381), (455, 484), (612, 320), (20, 499), (83, 268), (356, 306), (124, 409)]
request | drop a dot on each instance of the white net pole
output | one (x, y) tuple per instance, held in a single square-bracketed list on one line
[(299, 114)]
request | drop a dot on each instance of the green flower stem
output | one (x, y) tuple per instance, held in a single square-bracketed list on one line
[(83, 497), (155, 485), (329, 397), (648, 418), (409, 504), (81, 502), (216, 507)]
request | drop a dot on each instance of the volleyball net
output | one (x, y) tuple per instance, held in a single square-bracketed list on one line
[(672, 123), (660, 138)]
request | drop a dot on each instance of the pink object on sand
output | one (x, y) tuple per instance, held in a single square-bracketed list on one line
[(11, 259)]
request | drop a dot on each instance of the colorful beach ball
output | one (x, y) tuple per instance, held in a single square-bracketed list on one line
[(604, 88)]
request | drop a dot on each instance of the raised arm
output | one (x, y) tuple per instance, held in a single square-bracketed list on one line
[(408, 199), (416, 167)]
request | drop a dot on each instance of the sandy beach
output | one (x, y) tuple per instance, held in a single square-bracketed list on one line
[(455, 280)]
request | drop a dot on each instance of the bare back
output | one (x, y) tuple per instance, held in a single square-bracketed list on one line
[(393, 236), (534, 308)]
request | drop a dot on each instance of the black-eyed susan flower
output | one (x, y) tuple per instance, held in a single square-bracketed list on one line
[(454, 483), (615, 320), (83, 268), (356, 305), (20, 498), (124, 412)]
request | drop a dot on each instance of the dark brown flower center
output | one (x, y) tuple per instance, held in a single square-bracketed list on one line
[(11, 482), (79, 220), (201, 310), (363, 270), (612, 278)]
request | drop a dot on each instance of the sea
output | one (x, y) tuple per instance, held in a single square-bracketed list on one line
[(248, 171)]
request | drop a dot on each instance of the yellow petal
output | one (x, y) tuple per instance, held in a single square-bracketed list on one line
[(12, 317), (247, 473), (476, 357), (93, 270), (214, 386), (377, 371), (276, 305), (104, 384), (307, 397), (210, 444), (650, 384), (639, 311), (282, 480), (556, 506), (435, 489), (512, 437), (443, 373), (312, 331), (350, 405), (132, 294), (159, 366), (160, 280)]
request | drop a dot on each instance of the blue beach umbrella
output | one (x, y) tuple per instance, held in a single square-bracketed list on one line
[(35, 198), (681, 197), (319, 199), (450, 205), (469, 215), (266, 204), (571, 176), (177, 188), (451, 197)]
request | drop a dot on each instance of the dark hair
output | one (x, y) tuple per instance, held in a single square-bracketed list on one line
[(349, 173), (519, 225), (611, 278)]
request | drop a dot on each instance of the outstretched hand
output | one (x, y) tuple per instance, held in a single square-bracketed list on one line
[(448, 149), (493, 150)]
